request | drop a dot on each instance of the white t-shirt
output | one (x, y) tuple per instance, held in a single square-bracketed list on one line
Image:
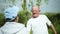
[(39, 24)]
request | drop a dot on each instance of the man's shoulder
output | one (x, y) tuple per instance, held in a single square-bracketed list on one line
[(42, 15), (30, 18), (12, 24), (20, 24)]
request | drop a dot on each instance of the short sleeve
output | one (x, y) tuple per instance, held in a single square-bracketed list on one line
[(48, 22), (29, 25)]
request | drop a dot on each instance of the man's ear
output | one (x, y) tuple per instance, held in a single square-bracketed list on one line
[(17, 19)]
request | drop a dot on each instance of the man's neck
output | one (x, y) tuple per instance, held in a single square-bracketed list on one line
[(36, 16)]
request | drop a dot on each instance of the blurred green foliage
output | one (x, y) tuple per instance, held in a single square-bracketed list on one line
[(24, 16), (55, 19), (2, 20)]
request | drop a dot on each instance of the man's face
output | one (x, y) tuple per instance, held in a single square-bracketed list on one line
[(35, 11)]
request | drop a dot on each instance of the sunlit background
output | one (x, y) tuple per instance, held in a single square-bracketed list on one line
[(50, 6)]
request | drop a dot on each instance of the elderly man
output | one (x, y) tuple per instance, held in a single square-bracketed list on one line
[(38, 23), (12, 26)]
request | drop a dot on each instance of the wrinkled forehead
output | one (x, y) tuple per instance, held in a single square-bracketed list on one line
[(35, 8)]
